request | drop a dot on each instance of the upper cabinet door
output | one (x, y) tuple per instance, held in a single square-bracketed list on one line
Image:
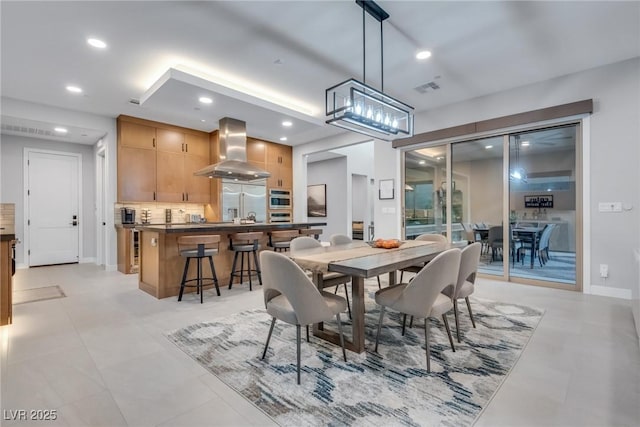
[(170, 140), (196, 145), (136, 135)]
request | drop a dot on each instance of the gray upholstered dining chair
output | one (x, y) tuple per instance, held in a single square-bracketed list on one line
[(543, 246), (427, 237), (290, 296), (422, 297), (343, 239), (469, 260), (328, 279)]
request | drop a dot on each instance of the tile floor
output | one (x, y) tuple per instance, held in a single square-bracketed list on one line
[(99, 357)]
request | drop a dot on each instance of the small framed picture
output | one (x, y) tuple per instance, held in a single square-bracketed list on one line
[(385, 190), (317, 200)]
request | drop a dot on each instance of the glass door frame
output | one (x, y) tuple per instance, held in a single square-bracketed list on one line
[(505, 133)]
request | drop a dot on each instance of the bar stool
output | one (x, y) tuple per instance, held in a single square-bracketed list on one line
[(198, 247), (245, 244), (281, 240), (311, 232)]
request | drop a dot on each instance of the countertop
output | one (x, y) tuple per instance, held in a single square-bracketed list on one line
[(224, 227)]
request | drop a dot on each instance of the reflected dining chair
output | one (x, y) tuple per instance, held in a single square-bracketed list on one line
[(290, 296), (469, 260), (328, 279), (543, 246), (422, 297), (427, 237), (343, 239)]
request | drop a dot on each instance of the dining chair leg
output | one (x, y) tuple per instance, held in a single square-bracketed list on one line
[(401, 274), (446, 326), (307, 327), (346, 294), (379, 285), (344, 352), (379, 327), (266, 346), (426, 343), (404, 323), (298, 351), (411, 322), (455, 314), (473, 322)]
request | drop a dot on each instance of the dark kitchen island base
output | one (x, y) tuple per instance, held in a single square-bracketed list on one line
[(161, 265)]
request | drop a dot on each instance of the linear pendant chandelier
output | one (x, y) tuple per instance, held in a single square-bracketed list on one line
[(356, 106)]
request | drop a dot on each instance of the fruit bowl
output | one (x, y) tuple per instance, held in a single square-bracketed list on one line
[(385, 243)]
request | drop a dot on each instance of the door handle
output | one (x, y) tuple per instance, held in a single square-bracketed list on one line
[(74, 223)]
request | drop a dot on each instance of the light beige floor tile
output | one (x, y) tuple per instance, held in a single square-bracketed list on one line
[(215, 412), (96, 410)]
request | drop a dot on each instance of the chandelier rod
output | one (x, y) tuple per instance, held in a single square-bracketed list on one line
[(364, 51)]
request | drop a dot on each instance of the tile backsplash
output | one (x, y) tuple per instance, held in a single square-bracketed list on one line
[(179, 212)]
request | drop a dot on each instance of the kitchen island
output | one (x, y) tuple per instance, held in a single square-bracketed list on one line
[(161, 265)]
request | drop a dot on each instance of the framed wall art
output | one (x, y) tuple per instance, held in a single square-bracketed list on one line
[(317, 200)]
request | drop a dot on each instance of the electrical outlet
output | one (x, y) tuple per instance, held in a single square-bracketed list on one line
[(604, 270)]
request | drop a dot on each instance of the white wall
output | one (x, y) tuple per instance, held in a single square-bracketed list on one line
[(13, 186), (333, 173), (15, 108)]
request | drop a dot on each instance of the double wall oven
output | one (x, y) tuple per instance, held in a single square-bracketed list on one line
[(280, 204)]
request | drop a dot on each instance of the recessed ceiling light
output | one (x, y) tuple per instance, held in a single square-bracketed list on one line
[(525, 143), (423, 54), (97, 43), (202, 120), (60, 130), (488, 146), (422, 162), (287, 123), (284, 138), (205, 100), (439, 158), (74, 89)]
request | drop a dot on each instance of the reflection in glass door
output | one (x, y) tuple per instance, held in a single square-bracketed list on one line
[(542, 204), (425, 191), (477, 179)]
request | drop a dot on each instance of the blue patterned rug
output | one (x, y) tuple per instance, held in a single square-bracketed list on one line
[(391, 387)]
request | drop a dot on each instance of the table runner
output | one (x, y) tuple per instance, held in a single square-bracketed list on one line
[(318, 259)]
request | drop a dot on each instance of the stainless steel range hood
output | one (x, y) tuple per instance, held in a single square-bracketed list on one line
[(233, 164)]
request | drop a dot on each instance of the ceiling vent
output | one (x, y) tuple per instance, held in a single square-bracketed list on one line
[(27, 130), (431, 86), (134, 101)]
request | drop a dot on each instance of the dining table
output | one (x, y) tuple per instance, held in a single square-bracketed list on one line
[(529, 235), (361, 261)]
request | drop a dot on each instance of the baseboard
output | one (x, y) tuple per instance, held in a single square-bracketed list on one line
[(606, 291), (21, 266), (88, 260)]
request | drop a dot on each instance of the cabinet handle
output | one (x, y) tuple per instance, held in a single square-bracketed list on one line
[(187, 196), (183, 197), (154, 195), (183, 146), (154, 144), (186, 147)]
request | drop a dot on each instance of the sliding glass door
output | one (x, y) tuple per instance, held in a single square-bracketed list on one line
[(477, 181), (517, 194), (542, 204)]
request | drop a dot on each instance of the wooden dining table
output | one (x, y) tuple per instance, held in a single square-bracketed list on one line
[(361, 261)]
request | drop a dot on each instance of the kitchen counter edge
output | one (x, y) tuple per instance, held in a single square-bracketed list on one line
[(226, 227)]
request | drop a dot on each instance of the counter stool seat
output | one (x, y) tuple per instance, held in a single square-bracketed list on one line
[(280, 240), (198, 247), (245, 244)]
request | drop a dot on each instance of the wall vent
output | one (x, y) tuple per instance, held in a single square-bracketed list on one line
[(430, 86), (134, 101)]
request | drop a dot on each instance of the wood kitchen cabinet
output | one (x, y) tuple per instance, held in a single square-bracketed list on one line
[(156, 162), (279, 164), (136, 135), (6, 280), (257, 152)]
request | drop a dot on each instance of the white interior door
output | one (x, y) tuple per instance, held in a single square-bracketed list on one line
[(53, 216)]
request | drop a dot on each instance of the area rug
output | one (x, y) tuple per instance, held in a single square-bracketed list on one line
[(391, 387), (24, 296)]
